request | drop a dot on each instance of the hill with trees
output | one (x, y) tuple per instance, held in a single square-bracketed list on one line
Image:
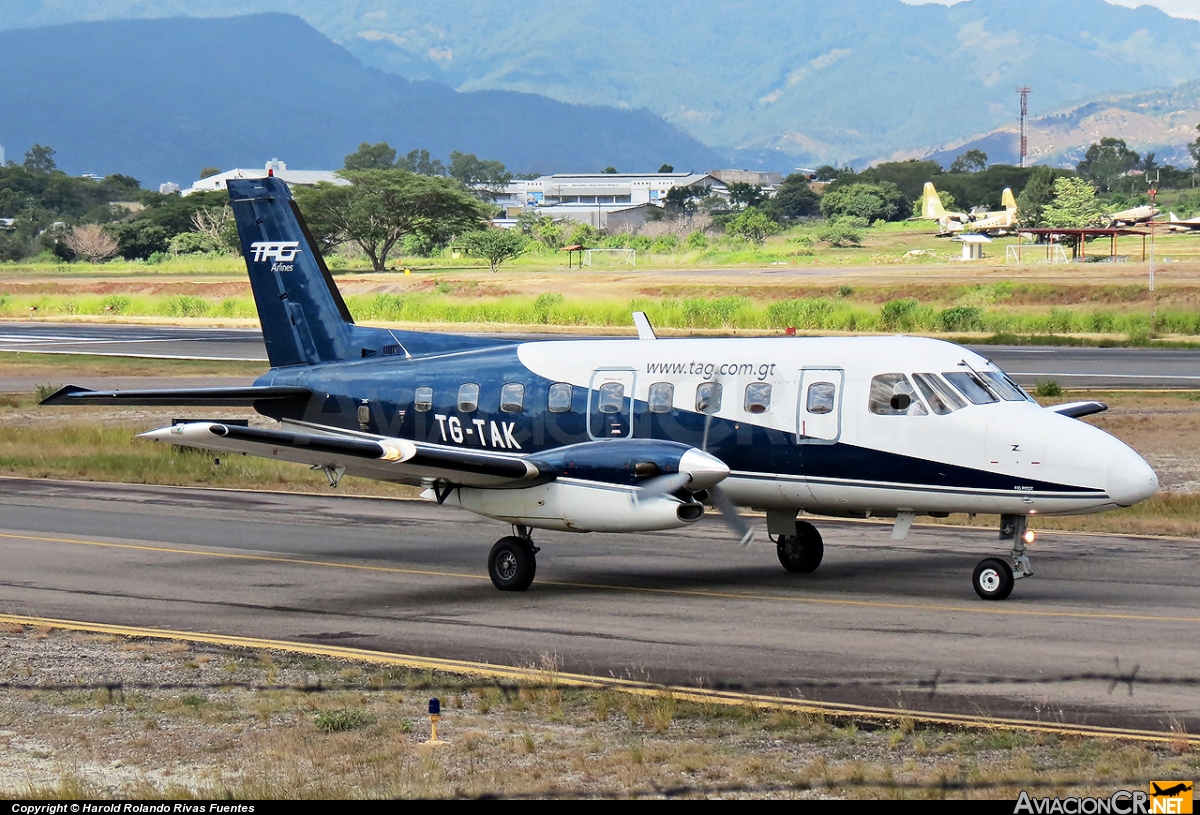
[(162, 99), (789, 82)]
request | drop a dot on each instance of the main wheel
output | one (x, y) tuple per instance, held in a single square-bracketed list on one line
[(802, 552), (512, 564), (993, 579)]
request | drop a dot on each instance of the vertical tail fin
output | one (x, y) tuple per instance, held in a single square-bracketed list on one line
[(304, 318), (1007, 200), (931, 203)]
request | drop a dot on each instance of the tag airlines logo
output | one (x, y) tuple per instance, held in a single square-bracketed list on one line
[(282, 252)]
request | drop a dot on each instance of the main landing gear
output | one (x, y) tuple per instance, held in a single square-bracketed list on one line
[(512, 563), (993, 578), (798, 544)]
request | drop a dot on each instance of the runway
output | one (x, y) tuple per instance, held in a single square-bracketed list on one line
[(685, 607), (1079, 368)]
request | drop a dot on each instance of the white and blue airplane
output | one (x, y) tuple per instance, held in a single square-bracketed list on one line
[(638, 435)]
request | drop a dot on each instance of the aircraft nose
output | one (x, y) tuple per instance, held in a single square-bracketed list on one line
[(705, 469), (1130, 478)]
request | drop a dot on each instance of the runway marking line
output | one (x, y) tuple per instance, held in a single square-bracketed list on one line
[(725, 595), (682, 693)]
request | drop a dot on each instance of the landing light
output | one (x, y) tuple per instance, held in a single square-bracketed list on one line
[(1030, 536)]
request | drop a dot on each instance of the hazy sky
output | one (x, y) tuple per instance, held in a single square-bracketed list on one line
[(1176, 8)]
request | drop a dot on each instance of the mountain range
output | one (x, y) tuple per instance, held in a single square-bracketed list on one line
[(783, 81), (160, 99)]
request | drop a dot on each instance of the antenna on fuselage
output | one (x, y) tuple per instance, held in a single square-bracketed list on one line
[(644, 329)]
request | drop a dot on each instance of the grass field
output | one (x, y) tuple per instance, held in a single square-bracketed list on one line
[(902, 279), (364, 737)]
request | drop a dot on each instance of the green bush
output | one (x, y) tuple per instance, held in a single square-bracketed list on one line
[(802, 313), (962, 318), (187, 305), (899, 315), (341, 720)]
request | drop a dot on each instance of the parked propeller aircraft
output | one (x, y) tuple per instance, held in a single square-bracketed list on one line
[(1183, 225), (638, 435), (983, 222), (1133, 216)]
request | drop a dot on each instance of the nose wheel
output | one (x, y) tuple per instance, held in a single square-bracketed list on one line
[(993, 578)]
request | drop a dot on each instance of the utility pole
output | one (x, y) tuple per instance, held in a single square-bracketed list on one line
[(1024, 91)]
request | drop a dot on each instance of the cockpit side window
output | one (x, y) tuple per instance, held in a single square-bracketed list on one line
[(941, 397), (894, 395), (971, 387)]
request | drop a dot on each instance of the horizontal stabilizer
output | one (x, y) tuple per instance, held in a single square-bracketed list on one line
[(1079, 409), (216, 397)]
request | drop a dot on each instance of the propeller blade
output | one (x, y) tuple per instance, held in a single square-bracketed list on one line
[(661, 485), (729, 514)]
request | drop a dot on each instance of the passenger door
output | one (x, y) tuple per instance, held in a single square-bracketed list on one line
[(819, 412)]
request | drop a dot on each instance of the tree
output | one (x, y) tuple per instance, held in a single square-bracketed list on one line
[(1194, 149), (483, 177), (746, 195), (666, 168), (610, 169), (381, 207), (494, 245), (368, 156), (1038, 193), (40, 159), (681, 200), (1074, 205), (794, 198), (753, 225), (420, 162), (217, 224), (972, 161), (141, 238), (92, 242), (209, 172), (1106, 161), (871, 202)]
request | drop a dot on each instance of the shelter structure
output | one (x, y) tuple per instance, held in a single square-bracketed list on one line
[(1078, 238)]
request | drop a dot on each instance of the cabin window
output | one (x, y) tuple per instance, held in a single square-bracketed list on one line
[(558, 400), (708, 397), (893, 395), (941, 397), (612, 397), (971, 387), (512, 397), (821, 398), (758, 397), (662, 397), (423, 400), (1008, 390), (468, 397)]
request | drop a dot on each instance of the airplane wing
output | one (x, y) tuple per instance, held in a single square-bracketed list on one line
[(1079, 409), (388, 459), (202, 397)]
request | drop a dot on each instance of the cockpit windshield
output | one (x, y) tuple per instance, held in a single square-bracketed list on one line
[(1004, 387), (971, 386)]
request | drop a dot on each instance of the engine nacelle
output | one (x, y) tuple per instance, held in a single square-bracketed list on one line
[(577, 507)]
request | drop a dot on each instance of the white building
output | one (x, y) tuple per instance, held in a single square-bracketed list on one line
[(590, 198), (275, 166)]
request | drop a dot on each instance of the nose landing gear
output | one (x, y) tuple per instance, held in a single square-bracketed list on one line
[(993, 578)]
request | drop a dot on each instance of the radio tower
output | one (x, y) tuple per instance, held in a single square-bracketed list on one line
[(1024, 91)]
